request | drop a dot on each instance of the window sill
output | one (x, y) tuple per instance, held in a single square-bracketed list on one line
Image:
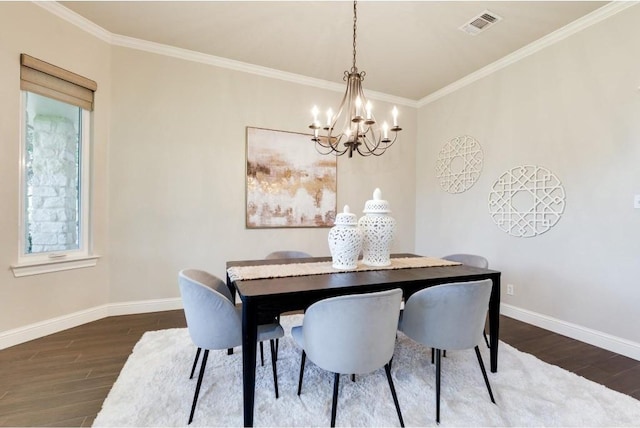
[(55, 265)]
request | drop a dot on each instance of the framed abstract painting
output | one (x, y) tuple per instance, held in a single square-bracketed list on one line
[(288, 183)]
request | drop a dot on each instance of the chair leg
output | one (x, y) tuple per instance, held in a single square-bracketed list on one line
[(304, 358), (261, 355), (353, 377), (387, 368), (273, 366), (195, 363), (438, 367), (334, 406), (277, 340), (484, 333), (484, 374), (433, 352), (200, 376)]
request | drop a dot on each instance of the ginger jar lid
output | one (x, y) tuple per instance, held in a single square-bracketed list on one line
[(346, 218), (377, 205)]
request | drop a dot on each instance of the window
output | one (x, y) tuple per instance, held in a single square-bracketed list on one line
[(55, 167)]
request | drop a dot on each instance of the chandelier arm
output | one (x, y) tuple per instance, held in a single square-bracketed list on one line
[(324, 145), (342, 102), (367, 153), (372, 143), (338, 152), (384, 148), (329, 151), (395, 137), (335, 118), (328, 148), (368, 144), (377, 150)]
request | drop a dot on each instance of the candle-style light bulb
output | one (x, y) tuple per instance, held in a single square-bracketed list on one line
[(394, 112), (358, 106), (385, 130), (368, 109), (314, 112), (329, 117)]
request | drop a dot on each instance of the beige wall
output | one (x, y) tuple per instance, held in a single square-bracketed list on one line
[(177, 157), (573, 108), (27, 28)]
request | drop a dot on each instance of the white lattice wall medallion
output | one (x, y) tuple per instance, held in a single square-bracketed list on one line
[(459, 164), (526, 201)]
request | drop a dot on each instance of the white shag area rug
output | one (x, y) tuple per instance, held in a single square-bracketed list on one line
[(154, 389)]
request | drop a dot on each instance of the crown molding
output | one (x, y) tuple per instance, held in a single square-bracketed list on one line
[(79, 21), (189, 55), (580, 24), (143, 45)]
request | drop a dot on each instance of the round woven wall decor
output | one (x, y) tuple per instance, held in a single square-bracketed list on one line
[(459, 164), (526, 201)]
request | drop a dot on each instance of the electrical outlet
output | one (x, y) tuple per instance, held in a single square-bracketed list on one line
[(510, 289), (636, 201)]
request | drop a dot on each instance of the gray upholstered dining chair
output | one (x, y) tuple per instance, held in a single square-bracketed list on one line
[(288, 254), (283, 254), (353, 334), (468, 259), (206, 279), (213, 282), (448, 316), (214, 322), (475, 261)]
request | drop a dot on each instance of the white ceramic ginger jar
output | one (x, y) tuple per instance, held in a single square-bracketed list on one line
[(378, 228), (345, 240)]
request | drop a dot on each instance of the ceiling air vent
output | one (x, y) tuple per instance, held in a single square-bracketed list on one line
[(480, 23)]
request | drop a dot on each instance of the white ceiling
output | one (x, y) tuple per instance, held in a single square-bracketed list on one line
[(409, 49)]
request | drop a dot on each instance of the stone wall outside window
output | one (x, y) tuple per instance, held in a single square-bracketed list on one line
[(52, 194)]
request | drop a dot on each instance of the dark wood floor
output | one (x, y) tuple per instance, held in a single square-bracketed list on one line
[(62, 379)]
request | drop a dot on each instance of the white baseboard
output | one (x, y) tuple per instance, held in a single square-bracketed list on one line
[(144, 306), (43, 328), (593, 337)]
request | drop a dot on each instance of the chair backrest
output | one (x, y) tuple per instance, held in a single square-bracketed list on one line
[(289, 254), (209, 280), (352, 334), (468, 259), (448, 316), (213, 321)]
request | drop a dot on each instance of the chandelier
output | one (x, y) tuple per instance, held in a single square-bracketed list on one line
[(353, 128)]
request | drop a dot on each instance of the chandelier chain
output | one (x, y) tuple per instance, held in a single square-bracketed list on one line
[(355, 20)]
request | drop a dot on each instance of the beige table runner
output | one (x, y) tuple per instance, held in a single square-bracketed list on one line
[(317, 268)]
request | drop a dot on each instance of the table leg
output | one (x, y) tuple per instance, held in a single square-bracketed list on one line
[(232, 290), (494, 322), (249, 340)]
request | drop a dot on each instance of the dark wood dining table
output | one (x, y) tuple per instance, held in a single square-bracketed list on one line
[(263, 299)]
